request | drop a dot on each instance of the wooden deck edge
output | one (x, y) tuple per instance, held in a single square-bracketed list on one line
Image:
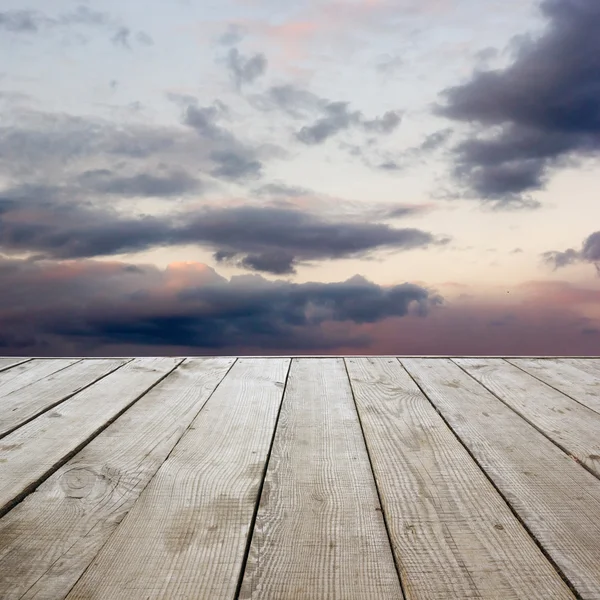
[(251, 356)]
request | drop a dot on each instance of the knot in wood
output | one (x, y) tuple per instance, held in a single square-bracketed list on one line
[(78, 482)]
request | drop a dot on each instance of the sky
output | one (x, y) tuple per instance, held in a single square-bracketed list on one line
[(410, 177)]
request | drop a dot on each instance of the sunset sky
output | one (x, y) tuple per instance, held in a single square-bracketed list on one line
[(305, 177)]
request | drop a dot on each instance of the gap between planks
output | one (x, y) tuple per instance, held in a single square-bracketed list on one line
[(554, 497), (67, 520)]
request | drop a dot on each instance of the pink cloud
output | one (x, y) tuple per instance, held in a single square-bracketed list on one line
[(102, 307)]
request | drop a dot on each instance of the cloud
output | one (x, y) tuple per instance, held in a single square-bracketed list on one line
[(590, 253), (175, 183), (537, 318), (53, 148), (534, 115), (391, 162), (270, 239), (103, 308), (245, 70), (434, 141), (232, 36), (30, 21), (234, 159), (332, 117), (390, 65), (22, 21), (336, 118), (280, 189), (85, 306), (235, 165)]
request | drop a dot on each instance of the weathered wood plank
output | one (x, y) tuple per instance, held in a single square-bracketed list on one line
[(443, 514), (27, 373), (556, 498), (7, 363), (319, 531), (572, 426), (49, 539), (34, 451), (571, 378), (592, 365), (26, 403), (186, 535)]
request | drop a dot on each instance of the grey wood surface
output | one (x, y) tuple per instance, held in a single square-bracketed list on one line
[(572, 426), (319, 531), (34, 451), (186, 535), (557, 499), (25, 374), (578, 378), (7, 363), (71, 515), (179, 478), (453, 534), (24, 404)]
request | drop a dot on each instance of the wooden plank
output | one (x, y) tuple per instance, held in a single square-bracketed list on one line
[(26, 403), (571, 378), (592, 365), (570, 425), (319, 531), (443, 514), (27, 373), (49, 539), (186, 535), (7, 363), (34, 451), (557, 499)]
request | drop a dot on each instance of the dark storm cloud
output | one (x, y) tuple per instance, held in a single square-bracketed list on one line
[(281, 237), (73, 231), (30, 21), (245, 70), (535, 114), (142, 184), (99, 304), (590, 253), (270, 239)]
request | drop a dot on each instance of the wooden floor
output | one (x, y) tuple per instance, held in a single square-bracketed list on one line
[(311, 478)]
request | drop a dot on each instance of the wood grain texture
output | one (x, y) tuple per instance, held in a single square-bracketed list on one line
[(34, 451), (25, 374), (26, 403), (7, 363), (556, 498), (49, 539), (591, 365), (570, 377), (186, 535), (572, 426), (319, 531), (443, 514)]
